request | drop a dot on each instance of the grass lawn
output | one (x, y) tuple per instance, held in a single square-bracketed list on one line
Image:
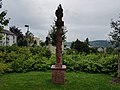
[(42, 81)]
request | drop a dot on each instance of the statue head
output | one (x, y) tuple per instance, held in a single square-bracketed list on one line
[(59, 12)]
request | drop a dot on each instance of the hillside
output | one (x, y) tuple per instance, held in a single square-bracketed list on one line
[(96, 43), (100, 43)]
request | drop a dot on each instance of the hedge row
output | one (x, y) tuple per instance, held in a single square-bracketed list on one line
[(24, 59), (92, 63)]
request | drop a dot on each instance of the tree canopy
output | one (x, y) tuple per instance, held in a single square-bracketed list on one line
[(80, 46), (53, 34), (22, 40), (3, 21), (17, 32), (115, 34)]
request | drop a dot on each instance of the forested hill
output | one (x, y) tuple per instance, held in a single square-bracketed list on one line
[(96, 43), (100, 43)]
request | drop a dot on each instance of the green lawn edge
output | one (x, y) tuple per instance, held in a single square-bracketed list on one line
[(42, 81)]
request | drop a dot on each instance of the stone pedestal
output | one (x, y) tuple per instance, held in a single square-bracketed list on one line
[(58, 74)]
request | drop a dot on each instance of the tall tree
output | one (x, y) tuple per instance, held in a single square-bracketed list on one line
[(115, 38), (53, 34), (80, 46), (0, 3), (3, 21), (87, 41), (17, 32), (22, 42), (47, 41)]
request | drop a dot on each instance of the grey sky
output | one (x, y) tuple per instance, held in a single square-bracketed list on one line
[(83, 18)]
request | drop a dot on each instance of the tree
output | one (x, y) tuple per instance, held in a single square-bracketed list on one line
[(35, 42), (17, 32), (0, 3), (3, 21), (115, 38), (30, 38), (42, 44), (87, 41), (110, 50), (80, 46), (48, 54), (53, 34), (47, 41), (22, 42)]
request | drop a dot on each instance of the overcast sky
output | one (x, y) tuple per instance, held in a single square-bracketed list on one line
[(83, 18)]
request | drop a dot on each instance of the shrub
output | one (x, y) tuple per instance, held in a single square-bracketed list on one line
[(93, 63), (48, 54), (24, 59), (4, 68)]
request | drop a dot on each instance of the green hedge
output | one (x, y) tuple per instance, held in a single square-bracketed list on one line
[(100, 63), (24, 59)]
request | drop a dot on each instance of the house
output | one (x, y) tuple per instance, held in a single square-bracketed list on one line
[(102, 49), (8, 38), (99, 49), (37, 41)]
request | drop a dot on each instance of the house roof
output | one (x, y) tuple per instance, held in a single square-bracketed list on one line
[(7, 32)]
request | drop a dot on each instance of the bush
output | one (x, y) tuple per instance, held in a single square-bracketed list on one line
[(93, 63), (4, 68), (89, 66), (48, 54), (24, 59)]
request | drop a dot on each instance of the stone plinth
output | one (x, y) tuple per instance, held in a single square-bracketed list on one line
[(58, 74)]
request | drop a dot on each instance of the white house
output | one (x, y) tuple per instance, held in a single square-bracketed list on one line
[(8, 38)]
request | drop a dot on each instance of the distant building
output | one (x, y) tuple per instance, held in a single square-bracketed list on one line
[(102, 49), (8, 38), (53, 48), (99, 49), (37, 40)]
